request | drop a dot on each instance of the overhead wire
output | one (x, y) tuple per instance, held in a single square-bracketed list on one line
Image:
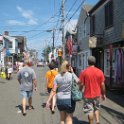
[(71, 8), (74, 12)]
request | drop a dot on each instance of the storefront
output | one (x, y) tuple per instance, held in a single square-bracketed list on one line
[(114, 65)]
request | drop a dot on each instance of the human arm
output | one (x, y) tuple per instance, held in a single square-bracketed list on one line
[(77, 80), (35, 84), (34, 81), (81, 84), (102, 86), (103, 91)]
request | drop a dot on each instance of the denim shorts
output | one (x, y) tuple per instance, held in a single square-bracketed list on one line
[(26, 94), (91, 105), (66, 105)]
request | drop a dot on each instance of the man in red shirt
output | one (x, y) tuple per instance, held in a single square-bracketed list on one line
[(92, 79)]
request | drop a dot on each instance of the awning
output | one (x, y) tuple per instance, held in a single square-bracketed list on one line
[(9, 38)]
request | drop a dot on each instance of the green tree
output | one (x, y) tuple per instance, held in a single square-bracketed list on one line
[(45, 52)]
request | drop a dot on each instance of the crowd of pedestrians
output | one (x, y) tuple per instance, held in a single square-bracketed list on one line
[(59, 87), (6, 70)]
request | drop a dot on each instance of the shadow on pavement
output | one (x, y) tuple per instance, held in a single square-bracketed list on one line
[(117, 96), (2, 82), (27, 107), (76, 121), (19, 107), (44, 94), (115, 114)]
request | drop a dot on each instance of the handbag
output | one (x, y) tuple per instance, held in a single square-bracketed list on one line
[(76, 94), (3, 75)]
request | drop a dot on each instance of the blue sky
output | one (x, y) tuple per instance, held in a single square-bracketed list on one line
[(32, 19)]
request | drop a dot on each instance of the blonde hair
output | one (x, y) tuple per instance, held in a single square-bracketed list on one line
[(64, 66)]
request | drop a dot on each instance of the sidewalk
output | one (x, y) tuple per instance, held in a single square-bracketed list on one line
[(115, 112)]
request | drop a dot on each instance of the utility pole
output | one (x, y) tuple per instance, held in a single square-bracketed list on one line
[(53, 39), (63, 20)]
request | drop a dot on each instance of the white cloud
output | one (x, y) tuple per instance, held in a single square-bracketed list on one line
[(27, 14), (32, 22), (15, 22)]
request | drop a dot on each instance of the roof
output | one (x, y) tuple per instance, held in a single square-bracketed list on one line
[(87, 7), (97, 6)]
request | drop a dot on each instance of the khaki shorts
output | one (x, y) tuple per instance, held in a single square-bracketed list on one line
[(91, 105)]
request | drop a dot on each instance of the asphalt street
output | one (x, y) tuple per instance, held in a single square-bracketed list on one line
[(10, 105)]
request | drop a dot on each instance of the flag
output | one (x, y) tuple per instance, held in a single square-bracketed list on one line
[(4, 51), (69, 44), (1, 38)]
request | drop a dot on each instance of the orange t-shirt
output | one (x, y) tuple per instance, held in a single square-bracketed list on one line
[(50, 75)]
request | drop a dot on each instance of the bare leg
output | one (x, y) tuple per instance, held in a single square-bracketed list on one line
[(97, 116), (91, 117), (30, 102), (24, 105), (69, 118), (53, 102), (62, 117)]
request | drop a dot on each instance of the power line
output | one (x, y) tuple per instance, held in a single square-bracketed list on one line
[(75, 11), (71, 7)]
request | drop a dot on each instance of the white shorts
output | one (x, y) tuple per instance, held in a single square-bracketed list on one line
[(10, 70)]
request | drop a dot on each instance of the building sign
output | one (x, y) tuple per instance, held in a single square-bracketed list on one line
[(92, 42)]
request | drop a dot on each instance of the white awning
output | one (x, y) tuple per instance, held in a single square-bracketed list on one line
[(9, 38)]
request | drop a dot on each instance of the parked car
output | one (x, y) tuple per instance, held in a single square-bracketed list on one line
[(40, 64)]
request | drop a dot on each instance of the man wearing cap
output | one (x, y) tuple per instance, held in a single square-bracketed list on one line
[(92, 79)]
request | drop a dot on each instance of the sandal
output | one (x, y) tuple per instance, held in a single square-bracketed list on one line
[(24, 114), (30, 107), (53, 111)]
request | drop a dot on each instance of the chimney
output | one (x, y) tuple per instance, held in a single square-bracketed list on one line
[(6, 33)]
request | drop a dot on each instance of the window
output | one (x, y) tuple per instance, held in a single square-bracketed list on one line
[(79, 59), (109, 14), (10, 44), (93, 25)]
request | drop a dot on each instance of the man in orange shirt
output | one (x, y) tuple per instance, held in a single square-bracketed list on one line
[(50, 75)]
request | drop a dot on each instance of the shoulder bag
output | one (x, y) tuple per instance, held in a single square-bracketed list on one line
[(76, 94)]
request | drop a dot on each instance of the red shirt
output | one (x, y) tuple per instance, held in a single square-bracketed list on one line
[(92, 78)]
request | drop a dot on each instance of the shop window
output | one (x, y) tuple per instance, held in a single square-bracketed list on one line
[(10, 44), (107, 62), (109, 14)]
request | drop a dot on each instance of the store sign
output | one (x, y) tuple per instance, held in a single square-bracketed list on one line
[(92, 42)]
